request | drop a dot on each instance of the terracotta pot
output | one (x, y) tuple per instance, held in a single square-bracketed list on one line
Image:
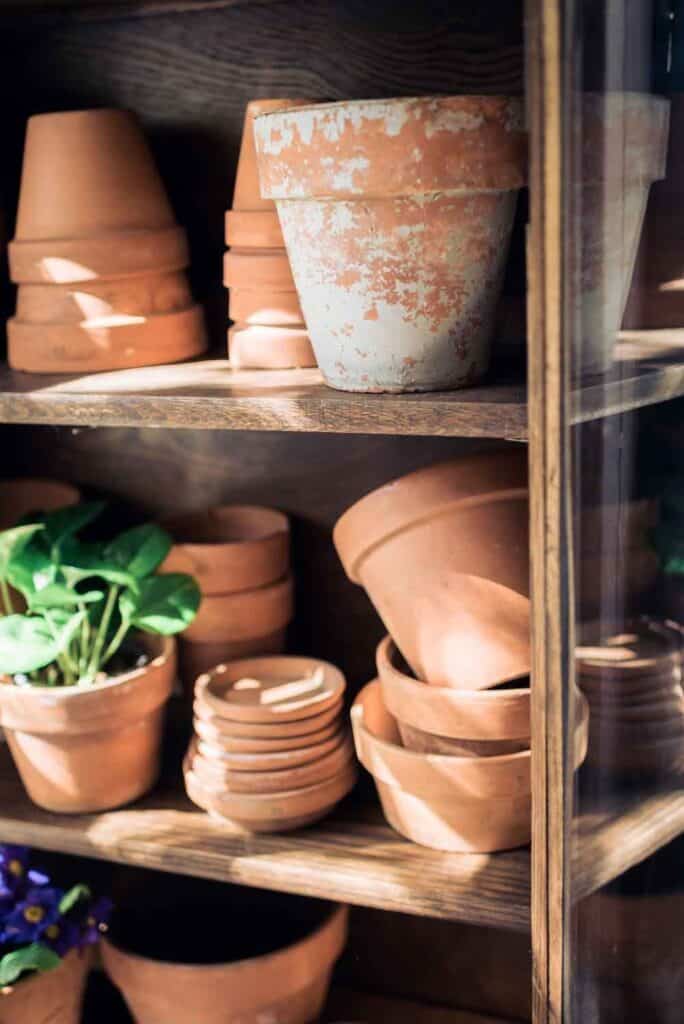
[(54, 997), (496, 714), (301, 727), (82, 749), (20, 497), (243, 615), (288, 986), (460, 529), (612, 198), (265, 308), (431, 743), (196, 659), (99, 301), (271, 812), (267, 762), (277, 689), (216, 776), (88, 173), (223, 739), (258, 270), (230, 548), (106, 343), (397, 216), (253, 229), (247, 194), (83, 260), (269, 348)]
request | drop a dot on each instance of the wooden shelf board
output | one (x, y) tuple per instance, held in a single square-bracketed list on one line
[(347, 1004)]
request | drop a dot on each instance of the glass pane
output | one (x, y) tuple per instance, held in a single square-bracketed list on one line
[(626, 191)]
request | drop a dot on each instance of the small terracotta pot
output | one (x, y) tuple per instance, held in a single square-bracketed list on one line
[(88, 173), (106, 343), (196, 659), (254, 229), (258, 270), (496, 714), (397, 216), (243, 615), (270, 762), (82, 749), (301, 727), (223, 739), (271, 812), (216, 776), (20, 497), (54, 997), (230, 548), (461, 529), (83, 260), (288, 986), (277, 689), (99, 301), (269, 348), (431, 743), (247, 194), (264, 308)]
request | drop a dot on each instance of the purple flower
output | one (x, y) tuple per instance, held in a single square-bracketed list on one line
[(31, 916), (96, 921), (15, 873), (62, 935)]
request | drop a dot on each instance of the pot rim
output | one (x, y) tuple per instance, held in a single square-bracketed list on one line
[(440, 99), (280, 525)]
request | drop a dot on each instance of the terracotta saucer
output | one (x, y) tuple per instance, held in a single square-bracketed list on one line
[(269, 731), (267, 762), (256, 745)]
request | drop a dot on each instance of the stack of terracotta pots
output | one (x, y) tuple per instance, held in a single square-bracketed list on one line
[(271, 751), (240, 557), (632, 678), (268, 326), (443, 555), (28, 495), (97, 255)]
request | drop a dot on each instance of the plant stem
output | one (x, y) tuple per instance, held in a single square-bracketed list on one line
[(101, 634), (117, 640), (85, 639), (6, 599)]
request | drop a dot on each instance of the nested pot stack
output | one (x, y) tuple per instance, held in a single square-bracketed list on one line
[(98, 257), (271, 750), (240, 557), (268, 329)]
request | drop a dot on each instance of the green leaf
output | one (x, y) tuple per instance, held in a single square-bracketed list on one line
[(57, 595), (72, 897), (66, 522), (28, 643), (164, 604), (12, 542), (32, 568), (88, 561), (35, 957), (139, 551)]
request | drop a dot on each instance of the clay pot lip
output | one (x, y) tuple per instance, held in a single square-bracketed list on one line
[(63, 115), (276, 760), (175, 525), (464, 100), (377, 516), (300, 727), (336, 920)]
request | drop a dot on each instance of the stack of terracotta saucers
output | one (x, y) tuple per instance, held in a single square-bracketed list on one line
[(632, 678), (98, 256), (271, 751), (268, 329), (240, 556)]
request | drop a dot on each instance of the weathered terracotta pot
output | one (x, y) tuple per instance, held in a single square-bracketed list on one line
[(258, 270), (243, 615), (106, 343), (632, 128), (269, 348), (301, 728), (264, 308), (90, 748), (434, 715), (266, 761), (276, 689), (288, 986), (253, 229), (54, 997), (247, 193), (459, 529), (397, 216), (223, 739), (196, 659), (102, 300), (230, 548), (20, 497)]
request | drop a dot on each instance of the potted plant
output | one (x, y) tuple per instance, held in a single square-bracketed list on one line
[(87, 669), (44, 935)]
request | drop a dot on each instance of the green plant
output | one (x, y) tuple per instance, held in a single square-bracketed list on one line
[(83, 599)]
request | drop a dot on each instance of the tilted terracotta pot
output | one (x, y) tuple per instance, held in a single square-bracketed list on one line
[(102, 300), (288, 986), (82, 749), (258, 270), (265, 308), (243, 615), (269, 348), (632, 128), (196, 659), (54, 997), (22, 496), (458, 532), (230, 548), (397, 216), (253, 229)]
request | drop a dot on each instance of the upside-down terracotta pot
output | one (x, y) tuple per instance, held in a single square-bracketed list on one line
[(253, 229), (458, 531), (103, 301), (265, 308), (230, 548), (624, 139), (91, 748), (257, 270), (287, 986), (269, 348), (196, 659), (20, 497), (53, 997), (397, 216), (244, 614)]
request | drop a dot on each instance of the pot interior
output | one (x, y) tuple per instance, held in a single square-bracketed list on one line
[(226, 525)]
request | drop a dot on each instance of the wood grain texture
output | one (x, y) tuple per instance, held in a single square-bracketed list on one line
[(348, 1004)]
